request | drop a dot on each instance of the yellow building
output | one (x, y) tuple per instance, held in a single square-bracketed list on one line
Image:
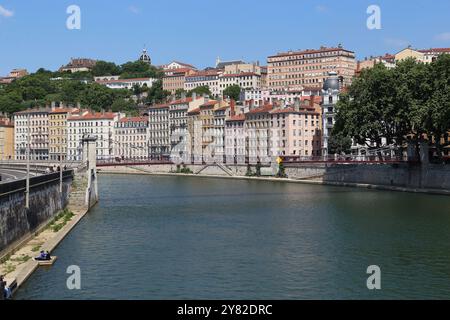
[(6, 139), (424, 55), (57, 128)]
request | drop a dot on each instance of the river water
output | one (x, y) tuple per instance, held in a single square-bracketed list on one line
[(156, 237)]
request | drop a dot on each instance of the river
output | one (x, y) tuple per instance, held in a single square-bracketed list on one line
[(162, 237)]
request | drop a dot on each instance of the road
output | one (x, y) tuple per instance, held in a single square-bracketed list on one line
[(9, 175)]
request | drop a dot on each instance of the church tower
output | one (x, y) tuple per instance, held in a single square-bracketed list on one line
[(145, 57)]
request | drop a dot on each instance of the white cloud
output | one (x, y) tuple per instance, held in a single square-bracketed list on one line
[(321, 8), (396, 42), (443, 36), (5, 12), (134, 9)]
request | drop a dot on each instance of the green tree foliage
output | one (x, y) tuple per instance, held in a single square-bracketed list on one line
[(104, 68), (126, 106), (411, 100), (180, 92), (338, 143), (233, 91), (140, 69), (156, 94), (202, 90)]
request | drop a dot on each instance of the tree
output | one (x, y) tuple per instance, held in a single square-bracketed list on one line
[(410, 102), (97, 97), (199, 91), (156, 94), (103, 68), (122, 105), (233, 91), (435, 117), (140, 69), (338, 143), (179, 93)]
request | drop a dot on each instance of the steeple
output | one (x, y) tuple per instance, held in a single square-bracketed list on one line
[(145, 56)]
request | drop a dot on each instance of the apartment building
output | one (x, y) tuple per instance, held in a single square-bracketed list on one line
[(6, 139), (422, 55), (32, 122), (209, 78), (131, 138), (235, 139), (309, 67), (258, 124), (98, 124), (175, 79), (159, 131), (126, 83), (296, 131), (57, 130), (330, 97), (245, 80)]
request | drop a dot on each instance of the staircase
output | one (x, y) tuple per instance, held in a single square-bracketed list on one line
[(77, 196), (221, 166)]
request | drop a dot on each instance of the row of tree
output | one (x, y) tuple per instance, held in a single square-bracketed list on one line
[(408, 103), (43, 87)]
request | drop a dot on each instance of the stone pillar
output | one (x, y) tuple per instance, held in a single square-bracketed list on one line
[(424, 156), (411, 151), (89, 144)]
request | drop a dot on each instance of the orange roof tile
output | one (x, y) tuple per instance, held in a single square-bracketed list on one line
[(94, 116), (134, 119)]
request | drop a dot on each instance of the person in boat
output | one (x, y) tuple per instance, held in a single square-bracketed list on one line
[(48, 256)]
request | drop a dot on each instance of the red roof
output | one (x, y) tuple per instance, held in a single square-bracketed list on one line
[(181, 101), (124, 80), (239, 117), (204, 73), (436, 50), (64, 110), (242, 74), (6, 123), (94, 116), (176, 71), (134, 119), (309, 51), (263, 109), (210, 103), (197, 110)]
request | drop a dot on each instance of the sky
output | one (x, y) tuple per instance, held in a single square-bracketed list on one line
[(33, 33)]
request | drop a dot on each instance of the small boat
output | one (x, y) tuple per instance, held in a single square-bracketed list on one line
[(47, 262)]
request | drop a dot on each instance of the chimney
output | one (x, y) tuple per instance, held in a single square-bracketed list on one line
[(297, 104), (194, 96), (233, 107), (53, 105), (311, 102), (183, 95), (78, 105)]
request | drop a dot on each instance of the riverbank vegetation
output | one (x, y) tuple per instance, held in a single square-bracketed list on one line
[(61, 220), (408, 103)]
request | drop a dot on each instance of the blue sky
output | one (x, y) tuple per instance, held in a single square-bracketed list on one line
[(33, 33)]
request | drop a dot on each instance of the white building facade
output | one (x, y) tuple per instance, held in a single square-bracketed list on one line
[(97, 124)]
